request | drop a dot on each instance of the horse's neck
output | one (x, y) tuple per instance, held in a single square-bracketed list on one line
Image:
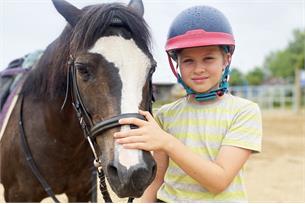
[(58, 132), (60, 124)]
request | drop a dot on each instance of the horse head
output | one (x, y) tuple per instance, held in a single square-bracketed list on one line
[(110, 76)]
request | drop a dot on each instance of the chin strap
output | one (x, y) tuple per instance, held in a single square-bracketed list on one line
[(211, 95)]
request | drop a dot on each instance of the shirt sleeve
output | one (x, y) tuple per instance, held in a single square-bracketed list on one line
[(246, 129), (158, 116)]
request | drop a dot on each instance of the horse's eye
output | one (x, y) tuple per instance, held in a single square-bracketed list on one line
[(83, 70)]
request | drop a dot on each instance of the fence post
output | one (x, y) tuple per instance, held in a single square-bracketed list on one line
[(297, 90), (282, 98)]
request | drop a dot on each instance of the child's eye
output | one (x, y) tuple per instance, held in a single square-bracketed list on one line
[(187, 61), (208, 58)]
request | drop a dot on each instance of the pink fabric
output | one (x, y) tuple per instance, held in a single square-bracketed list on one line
[(11, 72), (198, 38)]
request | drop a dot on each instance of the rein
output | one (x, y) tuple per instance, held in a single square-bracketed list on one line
[(29, 157)]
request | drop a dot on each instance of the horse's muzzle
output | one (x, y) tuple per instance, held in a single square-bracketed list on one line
[(132, 181), (131, 171)]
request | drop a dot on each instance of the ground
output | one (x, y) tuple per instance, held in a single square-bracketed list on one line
[(278, 173)]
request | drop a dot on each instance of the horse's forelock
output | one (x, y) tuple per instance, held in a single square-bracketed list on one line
[(97, 19)]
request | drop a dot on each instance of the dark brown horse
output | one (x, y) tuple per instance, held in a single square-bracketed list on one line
[(108, 74)]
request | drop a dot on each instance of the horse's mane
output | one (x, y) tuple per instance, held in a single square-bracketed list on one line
[(48, 79)]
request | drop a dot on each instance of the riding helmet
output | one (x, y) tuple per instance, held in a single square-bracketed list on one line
[(200, 26), (195, 27)]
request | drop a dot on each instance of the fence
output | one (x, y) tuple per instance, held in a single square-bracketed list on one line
[(270, 96)]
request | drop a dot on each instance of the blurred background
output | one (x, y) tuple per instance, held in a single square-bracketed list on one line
[(267, 67)]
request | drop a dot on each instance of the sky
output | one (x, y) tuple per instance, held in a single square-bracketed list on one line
[(259, 27)]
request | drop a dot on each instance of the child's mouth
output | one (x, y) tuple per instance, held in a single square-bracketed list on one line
[(199, 79)]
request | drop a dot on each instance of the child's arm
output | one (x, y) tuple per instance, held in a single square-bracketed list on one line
[(150, 194), (215, 176)]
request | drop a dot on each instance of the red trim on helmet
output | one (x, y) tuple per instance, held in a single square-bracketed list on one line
[(172, 65), (197, 38)]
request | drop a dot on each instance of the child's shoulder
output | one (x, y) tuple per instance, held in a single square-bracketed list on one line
[(237, 102), (238, 99), (175, 105)]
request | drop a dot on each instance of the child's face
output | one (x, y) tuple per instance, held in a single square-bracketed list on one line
[(201, 67)]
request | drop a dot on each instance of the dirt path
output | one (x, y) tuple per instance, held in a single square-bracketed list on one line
[(278, 173)]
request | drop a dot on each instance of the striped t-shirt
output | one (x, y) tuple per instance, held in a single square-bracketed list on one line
[(204, 129)]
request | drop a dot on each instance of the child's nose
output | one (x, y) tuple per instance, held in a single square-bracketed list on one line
[(200, 68)]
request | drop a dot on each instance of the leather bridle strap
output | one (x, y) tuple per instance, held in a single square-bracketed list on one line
[(112, 122), (98, 129), (29, 157), (86, 123)]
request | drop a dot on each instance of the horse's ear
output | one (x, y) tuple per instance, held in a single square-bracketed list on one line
[(137, 6), (68, 11)]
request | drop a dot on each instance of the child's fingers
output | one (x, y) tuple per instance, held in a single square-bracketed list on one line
[(147, 115), (134, 121), (138, 145), (133, 132), (131, 139)]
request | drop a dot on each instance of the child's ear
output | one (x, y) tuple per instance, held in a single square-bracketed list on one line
[(227, 59)]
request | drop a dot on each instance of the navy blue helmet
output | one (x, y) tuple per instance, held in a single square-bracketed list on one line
[(196, 27), (200, 26)]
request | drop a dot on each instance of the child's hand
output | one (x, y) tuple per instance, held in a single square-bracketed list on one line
[(149, 136)]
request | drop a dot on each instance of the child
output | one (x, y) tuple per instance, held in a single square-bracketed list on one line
[(201, 141)]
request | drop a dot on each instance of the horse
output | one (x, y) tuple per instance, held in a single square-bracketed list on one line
[(97, 71)]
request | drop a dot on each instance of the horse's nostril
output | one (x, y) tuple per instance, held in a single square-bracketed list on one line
[(132, 181), (112, 170), (138, 178), (114, 177), (142, 177)]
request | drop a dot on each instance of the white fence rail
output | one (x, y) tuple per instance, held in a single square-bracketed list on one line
[(269, 96)]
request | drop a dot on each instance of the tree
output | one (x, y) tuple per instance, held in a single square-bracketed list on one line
[(283, 63), (236, 77), (280, 64), (255, 77), (297, 48)]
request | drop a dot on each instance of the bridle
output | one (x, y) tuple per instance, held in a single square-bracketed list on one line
[(90, 130)]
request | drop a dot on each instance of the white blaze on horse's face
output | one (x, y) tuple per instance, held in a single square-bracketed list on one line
[(133, 65)]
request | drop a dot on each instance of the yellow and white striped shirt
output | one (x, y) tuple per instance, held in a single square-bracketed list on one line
[(204, 129)]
